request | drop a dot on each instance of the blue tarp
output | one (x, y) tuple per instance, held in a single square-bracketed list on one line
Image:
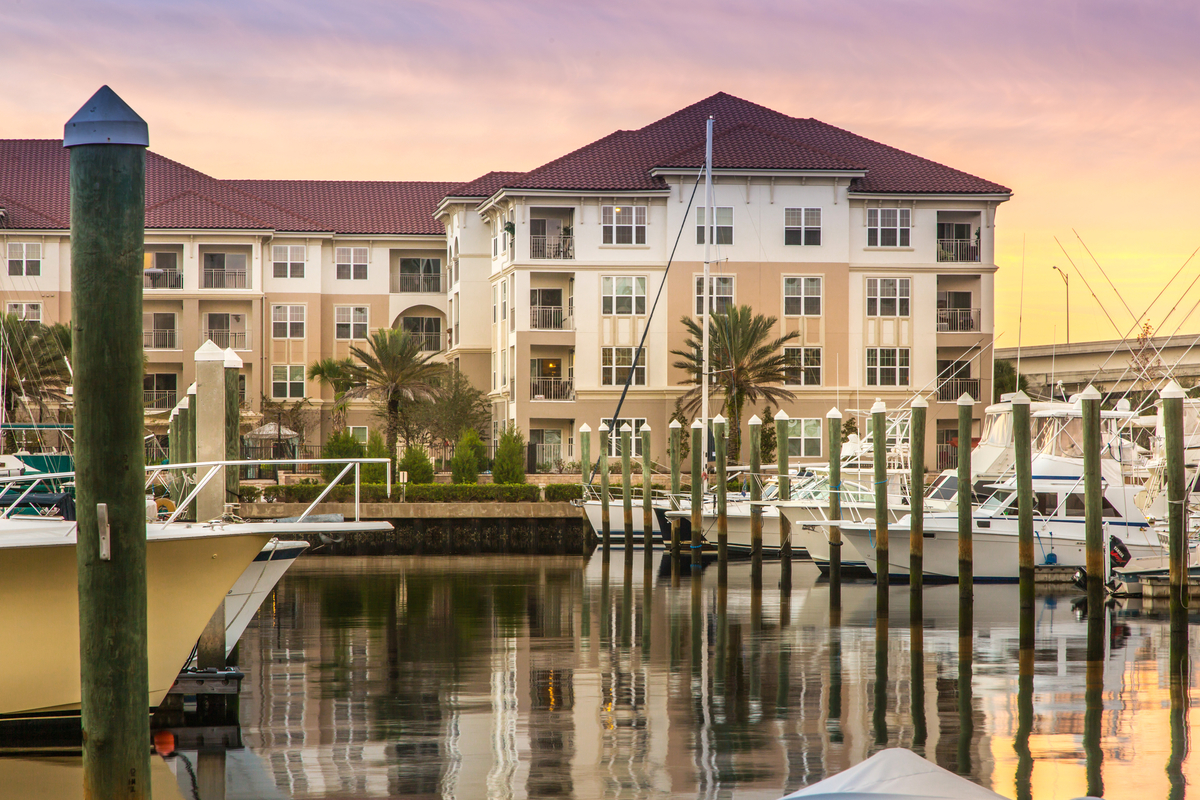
[(65, 503)]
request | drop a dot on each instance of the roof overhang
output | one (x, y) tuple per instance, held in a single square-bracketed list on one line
[(761, 173), (521, 192), (995, 197), (455, 199)]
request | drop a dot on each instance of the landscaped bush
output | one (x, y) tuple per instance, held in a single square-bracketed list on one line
[(412, 493), (376, 448), (417, 464), (510, 457), (247, 493), (563, 492), (464, 467), (339, 445)]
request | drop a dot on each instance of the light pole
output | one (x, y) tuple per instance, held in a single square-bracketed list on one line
[(1067, 284)]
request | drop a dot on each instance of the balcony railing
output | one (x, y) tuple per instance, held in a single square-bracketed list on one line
[(414, 283), (549, 318), (947, 456), (159, 339), (951, 390), (958, 320), (158, 399), (224, 279), (957, 250), (551, 246), (162, 279), (238, 340), (430, 342), (551, 389)]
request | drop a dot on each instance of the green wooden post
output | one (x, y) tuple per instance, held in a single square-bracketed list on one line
[(916, 497), (1172, 400), (647, 492), (108, 144), (173, 436), (233, 419), (627, 484), (192, 439), (1023, 453), (183, 427), (697, 492), (966, 558), (719, 433), (756, 511), (833, 422), (785, 494), (676, 443), (1093, 495), (883, 564), (605, 513), (585, 469)]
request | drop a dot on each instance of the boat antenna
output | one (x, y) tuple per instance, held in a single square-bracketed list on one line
[(710, 226)]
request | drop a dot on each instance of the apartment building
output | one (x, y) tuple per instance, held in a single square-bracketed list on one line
[(540, 285)]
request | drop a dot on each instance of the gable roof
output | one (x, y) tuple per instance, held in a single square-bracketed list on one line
[(484, 185), (358, 207)]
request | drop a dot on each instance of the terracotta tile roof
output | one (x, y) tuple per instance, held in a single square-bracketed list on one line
[(746, 146), (363, 207), (485, 185)]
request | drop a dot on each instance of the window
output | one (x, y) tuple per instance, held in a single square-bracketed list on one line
[(493, 371), (350, 322), (495, 294), (287, 322), (24, 258), (802, 226), (615, 364), (287, 381), (358, 433), (351, 263), (623, 224), (416, 275), (614, 436), (887, 366), (503, 299), (724, 218), (802, 366), (804, 438), (1075, 506), (888, 297), (224, 270), (27, 312), (161, 271), (428, 329), (288, 260), (802, 297), (722, 294), (504, 369), (623, 295), (888, 227)]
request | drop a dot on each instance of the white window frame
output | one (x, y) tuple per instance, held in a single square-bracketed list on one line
[(900, 370), (25, 258), (350, 263), (610, 369), (807, 360), (889, 227), (803, 225), (347, 324), (614, 435), (288, 260), (804, 438), (715, 282), (612, 295), (807, 291), (292, 317), (879, 298), (26, 312), (503, 369), (723, 217), (494, 361), (495, 304), (361, 439), (292, 375), (628, 222)]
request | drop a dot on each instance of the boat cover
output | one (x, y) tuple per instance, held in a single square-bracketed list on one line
[(65, 503), (896, 774)]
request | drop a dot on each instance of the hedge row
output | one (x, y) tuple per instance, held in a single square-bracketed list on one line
[(413, 493)]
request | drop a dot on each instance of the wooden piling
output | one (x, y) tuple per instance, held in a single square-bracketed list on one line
[(756, 512), (1093, 692), (586, 473), (1023, 452), (785, 493), (1093, 500), (697, 492), (722, 490), (966, 558), (605, 513), (1177, 490), (233, 419), (627, 484), (108, 144), (647, 492), (916, 498), (676, 442), (833, 424), (883, 564)]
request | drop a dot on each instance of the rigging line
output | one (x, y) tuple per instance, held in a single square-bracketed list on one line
[(642, 343), (1124, 340), (1105, 274), (1021, 312)]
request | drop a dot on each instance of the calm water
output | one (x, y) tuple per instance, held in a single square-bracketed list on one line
[(511, 676)]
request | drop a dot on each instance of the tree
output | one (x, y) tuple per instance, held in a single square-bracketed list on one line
[(337, 374), (340, 444), (35, 366), (417, 464), (394, 372), (299, 416), (376, 448), (768, 435), (464, 467), (1004, 379), (510, 457), (459, 407), (746, 364), (849, 428)]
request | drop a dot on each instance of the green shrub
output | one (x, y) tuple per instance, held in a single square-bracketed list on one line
[(563, 492), (472, 493), (376, 448), (247, 493), (464, 467), (416, 463), (339, 445), (510, 457)]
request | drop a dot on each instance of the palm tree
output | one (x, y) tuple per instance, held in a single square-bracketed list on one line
[(35, 366), (336, 374), (746, 364), (393, 370)]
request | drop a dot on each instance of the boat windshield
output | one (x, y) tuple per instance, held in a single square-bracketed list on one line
[(997, 428), (993, 503), (944, 488), (1061, 436), (817, 491)]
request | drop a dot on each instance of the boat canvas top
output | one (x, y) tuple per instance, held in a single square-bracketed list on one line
[(895, 774)]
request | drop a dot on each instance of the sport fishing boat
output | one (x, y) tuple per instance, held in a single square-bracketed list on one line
[(255, 583)]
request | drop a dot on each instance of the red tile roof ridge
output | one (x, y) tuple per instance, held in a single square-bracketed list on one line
[(262, 223), (9, 203), (725, 133)]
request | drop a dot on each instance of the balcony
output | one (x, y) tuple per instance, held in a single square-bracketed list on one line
[(414, 283), (947, 456), (430, 342), (550, 318), (958, 320), (222, 337), (158, 399), (552, 247), (160, 339), (549, 452), (162, 279), (950, 390), (957, 250), (551, 389), (224, 279)]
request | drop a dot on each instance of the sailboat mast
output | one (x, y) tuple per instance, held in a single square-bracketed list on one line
[(709, 227)]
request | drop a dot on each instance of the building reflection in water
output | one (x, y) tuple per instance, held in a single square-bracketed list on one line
[(542, 677)]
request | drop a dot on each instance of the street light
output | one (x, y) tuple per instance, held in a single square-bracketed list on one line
[(1067, 284)]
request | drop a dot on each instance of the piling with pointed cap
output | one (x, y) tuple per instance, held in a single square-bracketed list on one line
[(605, 514), (916, 493), (697, 491), (210, 427), (756, 512), (1023, 457), (785, 493), (107, 140), (883, 564), (173, 436), (183, 427), (719, 434), (676, 442), (233, 418), (647, 493), (966, 558), (1172, 402), (833, 423), (585, 468), (1093, 494), (627, 484)]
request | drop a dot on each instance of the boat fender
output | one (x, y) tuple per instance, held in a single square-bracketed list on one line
[(1051, 559)]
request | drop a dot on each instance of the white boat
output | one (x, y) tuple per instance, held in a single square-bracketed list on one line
[(254, 584), (895, 774), (616, 523)]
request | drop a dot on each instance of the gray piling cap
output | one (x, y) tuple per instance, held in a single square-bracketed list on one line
[(106, 119)]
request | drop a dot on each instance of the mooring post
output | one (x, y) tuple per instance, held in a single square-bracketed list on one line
[(966, 558), (756, 511), (173, 435), (883, 564), (722, 486), (605, 515), (1023, 453), (916, 498), (1093, 497), (183, 427), (833, 422), (697, 492), (627, 485), (585, 468), (676, 443), (233, 419), (647, 491), (108, 144), (210, 431), (192, 440), (785, 494), (1177, 552)]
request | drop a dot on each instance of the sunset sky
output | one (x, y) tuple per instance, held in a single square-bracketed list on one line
[(1089, 111)]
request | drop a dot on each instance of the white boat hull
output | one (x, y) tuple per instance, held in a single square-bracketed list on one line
[(253, 586), (616, 524)]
